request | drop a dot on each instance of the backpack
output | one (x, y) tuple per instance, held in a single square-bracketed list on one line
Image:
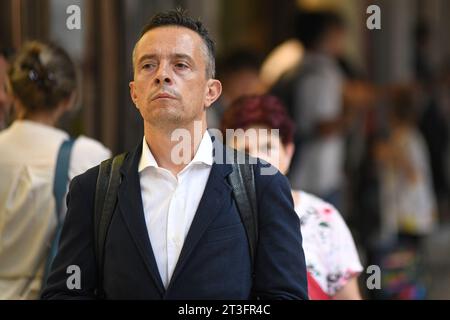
[(241, 179)]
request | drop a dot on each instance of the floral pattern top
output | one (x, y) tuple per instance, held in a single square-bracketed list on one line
[(330, 252)]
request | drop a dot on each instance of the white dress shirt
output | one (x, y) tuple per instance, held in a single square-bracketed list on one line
[(170, 202), (27, 206)]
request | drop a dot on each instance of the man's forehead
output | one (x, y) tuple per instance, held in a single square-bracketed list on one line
[(168, 37)]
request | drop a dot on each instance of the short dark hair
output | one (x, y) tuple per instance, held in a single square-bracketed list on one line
[(179, 17), (310, 27)]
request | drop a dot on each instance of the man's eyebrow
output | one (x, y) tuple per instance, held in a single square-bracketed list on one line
[(146, 57), (183, 56), (173, 56)]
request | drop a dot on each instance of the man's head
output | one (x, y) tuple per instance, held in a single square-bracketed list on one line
[(174, 70), (181, 19)]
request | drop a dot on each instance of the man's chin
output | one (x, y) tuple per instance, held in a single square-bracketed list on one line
[(166, 120)]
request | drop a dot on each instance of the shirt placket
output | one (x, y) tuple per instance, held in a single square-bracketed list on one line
[(175, 229)]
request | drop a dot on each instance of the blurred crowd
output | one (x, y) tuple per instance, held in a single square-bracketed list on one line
[(378, 153)]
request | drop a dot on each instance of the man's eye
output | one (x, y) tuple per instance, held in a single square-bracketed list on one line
[(181, 66), (147, 66)]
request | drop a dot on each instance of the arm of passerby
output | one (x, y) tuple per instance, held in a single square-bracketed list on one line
[(350, 291), (280, 269), (73, 274)]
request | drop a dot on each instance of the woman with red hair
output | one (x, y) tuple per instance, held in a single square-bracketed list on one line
[(331, 257)]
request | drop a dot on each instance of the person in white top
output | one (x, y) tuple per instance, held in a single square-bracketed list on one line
[(408, 200), (331, 257), (43, 85)]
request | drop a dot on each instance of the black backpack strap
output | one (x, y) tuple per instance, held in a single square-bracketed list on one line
[(108, 182), (242, 181)]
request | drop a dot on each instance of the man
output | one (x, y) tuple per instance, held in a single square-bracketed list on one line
[(5, 99), (176, 232)]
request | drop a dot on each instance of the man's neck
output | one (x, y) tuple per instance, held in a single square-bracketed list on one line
[(162, 142)]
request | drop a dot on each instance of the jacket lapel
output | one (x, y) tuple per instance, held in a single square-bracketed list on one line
[(130, 204)]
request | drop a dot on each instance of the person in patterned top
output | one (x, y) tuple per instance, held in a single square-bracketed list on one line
[(332, 259)]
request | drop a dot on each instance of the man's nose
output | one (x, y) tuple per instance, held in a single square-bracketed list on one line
[(163, 75)]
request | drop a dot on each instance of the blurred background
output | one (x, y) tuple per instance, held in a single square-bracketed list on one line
[(392, 78)]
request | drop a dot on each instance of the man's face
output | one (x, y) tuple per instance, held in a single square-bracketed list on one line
[(5, 99), (170, 86)]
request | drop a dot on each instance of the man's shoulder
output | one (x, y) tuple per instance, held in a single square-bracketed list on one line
[(88, 178), (266, 175)]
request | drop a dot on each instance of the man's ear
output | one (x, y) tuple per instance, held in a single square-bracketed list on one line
[(213, 91), (133, 93)]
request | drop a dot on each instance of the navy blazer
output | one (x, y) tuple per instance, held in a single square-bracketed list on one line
[(214, 262)]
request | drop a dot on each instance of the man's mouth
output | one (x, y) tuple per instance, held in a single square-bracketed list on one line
[(163, 96)]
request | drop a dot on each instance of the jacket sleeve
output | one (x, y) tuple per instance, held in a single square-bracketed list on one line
[(280, 268), (73, 272)]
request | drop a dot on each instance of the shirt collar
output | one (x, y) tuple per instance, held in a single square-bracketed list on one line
[(203, 155)]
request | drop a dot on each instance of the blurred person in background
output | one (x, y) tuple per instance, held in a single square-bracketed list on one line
[(332, 260), (313, 93), (433, 119), (409, 203), (239, 73), (43, 81), (5, 99)]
